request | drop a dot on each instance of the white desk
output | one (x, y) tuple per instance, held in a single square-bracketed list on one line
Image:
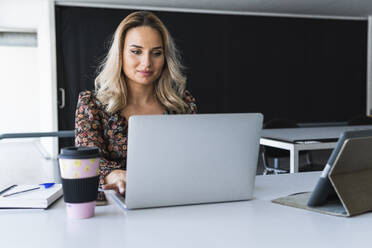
[(299, 139), (255, 223)]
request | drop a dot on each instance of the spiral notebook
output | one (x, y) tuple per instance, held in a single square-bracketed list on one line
[(40, 198)]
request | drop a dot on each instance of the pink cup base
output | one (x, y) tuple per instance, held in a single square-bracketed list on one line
[(80, 210)]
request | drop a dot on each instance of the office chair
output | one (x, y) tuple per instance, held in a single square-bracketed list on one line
[(359, 120), (19, 155), (59, 134), (276, 153)]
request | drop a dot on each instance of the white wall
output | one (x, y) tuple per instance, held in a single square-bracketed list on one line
[(20, 13), (48, 74), (36, 15), (20, 91)]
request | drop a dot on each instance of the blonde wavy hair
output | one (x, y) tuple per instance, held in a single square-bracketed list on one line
[(111, 88)]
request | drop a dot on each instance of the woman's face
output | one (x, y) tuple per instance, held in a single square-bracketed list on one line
[(143, 57)]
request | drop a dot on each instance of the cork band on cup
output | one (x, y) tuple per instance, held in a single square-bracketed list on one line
[(80, 190)]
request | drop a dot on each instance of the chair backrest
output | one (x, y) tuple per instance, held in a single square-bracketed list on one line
[(278, 123), (360, 120)]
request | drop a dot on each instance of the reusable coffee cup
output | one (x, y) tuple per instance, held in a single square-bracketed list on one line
[(79, 167)]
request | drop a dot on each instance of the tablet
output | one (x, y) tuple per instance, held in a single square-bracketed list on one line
[(324, 190)]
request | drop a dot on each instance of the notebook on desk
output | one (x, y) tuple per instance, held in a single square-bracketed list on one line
[(41, 198)]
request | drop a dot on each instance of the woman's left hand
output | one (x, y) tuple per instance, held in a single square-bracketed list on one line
[(116, 180)]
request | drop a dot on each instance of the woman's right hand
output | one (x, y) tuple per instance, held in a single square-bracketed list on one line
[(116, 180)]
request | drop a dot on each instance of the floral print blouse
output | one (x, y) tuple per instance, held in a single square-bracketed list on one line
[(95, 127)]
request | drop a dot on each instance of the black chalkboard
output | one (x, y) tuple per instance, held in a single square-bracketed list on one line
[(307, 70)]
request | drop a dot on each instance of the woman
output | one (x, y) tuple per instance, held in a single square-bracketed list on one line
[(141, 75)]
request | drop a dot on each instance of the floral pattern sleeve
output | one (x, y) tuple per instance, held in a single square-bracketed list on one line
[(190, 100), (89, 132)]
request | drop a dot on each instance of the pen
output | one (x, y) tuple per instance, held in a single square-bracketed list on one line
[(43, 185), (5, 190)]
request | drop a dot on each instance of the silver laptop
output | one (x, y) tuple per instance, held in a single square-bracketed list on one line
[(190, 159)]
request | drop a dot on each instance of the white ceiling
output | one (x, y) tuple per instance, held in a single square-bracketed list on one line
[(332, 8)]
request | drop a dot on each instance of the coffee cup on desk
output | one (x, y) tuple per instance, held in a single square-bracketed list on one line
[(79, 167)]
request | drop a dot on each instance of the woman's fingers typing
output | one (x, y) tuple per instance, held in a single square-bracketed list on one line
[(118, 187), (116, 181), (121, 187), (109, 186)]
